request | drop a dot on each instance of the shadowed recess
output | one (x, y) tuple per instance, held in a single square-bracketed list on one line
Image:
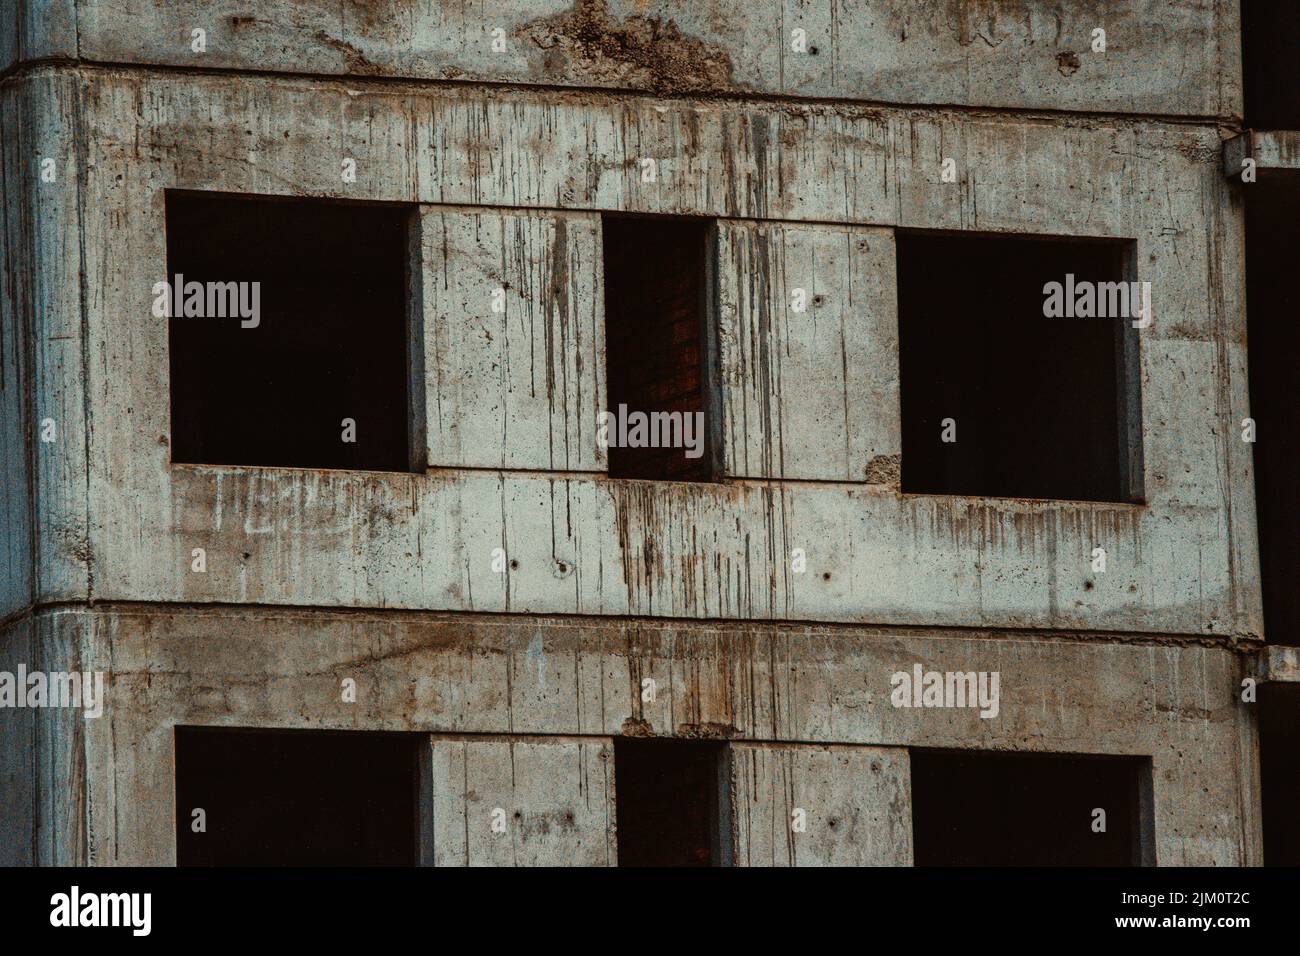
[(999, 399), (1004, 809), (655, 297), (668, 794), (328, 342), (296, 797)]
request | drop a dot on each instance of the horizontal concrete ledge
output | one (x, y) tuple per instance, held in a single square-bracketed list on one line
[(325, 616), (1273, 151), (499, 88)]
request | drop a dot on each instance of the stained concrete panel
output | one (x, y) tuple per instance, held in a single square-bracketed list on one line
[(36, 30), (1158, 58), (821, 806), (539, 801), (514, 338), (43, 454), (808, 335)]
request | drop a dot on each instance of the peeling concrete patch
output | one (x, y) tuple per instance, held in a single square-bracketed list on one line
[(75, 543), (707, 731), (1204, 153), (885, 470), (633, 727), (587, 44), (1067, 63)]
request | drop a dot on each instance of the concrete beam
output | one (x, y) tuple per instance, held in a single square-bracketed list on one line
[(1272, 152), (1278, 665)]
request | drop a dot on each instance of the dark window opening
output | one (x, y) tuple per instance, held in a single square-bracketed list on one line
[(997, 809), (308, 369), (670, 796), (1270, 37), (297, 798), (1279, 771), (657, 344), (1273, 348), (998, 398), (1273, 351)]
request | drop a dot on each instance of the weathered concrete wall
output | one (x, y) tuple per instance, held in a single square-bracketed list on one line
[(36, 30), (557, 795), (518, 389), (1160, 58), (18, 753), (46, 810), (1183, 563), (810, 394), (856, 801), (509, 180), (525, 677), (43, 471)]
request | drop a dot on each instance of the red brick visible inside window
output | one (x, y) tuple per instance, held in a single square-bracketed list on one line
[(654, 335)]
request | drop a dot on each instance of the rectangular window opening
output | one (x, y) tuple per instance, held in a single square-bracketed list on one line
[(1011, 387), (297, 797), (659, 348), (1272, 297), (292, 333), (1279, 771), (671, 797), (1004, 809)]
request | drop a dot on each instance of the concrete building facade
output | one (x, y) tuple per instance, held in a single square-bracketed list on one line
[(523, 613)]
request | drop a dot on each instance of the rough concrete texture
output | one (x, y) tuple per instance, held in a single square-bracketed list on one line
[(105, 791), (794, 384), (17, 421), (1160, 58), (313, 575), (859, 799), (37, 30), (557, 795), (117, 522), (516, 389)]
